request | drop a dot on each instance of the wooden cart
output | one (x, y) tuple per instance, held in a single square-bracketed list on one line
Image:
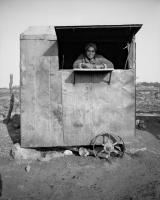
[(64, 107)]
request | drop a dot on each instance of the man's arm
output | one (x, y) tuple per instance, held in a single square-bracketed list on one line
[(87, 65), (104, 63), (77, 63)]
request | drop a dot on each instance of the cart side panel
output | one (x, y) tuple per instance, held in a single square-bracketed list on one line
[(114, 105), (39, 61), (56, 110), (76, 108), (92, 106)]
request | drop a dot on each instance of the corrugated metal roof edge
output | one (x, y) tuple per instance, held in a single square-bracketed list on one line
[(100, 26)]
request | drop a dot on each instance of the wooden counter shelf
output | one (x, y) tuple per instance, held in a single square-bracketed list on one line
[(78, 70)]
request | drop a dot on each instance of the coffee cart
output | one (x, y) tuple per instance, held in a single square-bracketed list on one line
[(61, 106)]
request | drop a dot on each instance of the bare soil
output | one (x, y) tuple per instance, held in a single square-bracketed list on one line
[(134, 177)]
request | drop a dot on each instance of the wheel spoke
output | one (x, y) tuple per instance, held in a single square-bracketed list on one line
[(105, 139), (115, 143)]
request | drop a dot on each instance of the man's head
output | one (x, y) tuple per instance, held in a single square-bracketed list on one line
[(90, 50)]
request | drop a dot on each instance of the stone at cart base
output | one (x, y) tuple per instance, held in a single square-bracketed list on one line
[(68, 153), (140, 124), (83, 152), (20, 153)]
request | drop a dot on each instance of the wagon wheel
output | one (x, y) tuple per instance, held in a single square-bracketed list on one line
[(105, 145)]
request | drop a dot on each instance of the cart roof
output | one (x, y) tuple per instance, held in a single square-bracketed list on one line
[(100, 32), (93, 32)]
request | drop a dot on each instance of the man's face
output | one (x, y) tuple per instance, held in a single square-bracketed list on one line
[(90, 52)]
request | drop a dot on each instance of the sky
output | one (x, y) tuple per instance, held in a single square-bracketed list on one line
[(17, 15)]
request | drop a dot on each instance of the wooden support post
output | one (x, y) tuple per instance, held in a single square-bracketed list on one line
[(11, 99)]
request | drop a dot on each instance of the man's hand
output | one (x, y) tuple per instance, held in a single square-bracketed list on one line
[(86, 65), (101, 66), (92, 66)]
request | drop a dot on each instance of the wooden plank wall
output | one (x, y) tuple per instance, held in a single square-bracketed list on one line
[(76, 97), (41, 102), (91, 106)]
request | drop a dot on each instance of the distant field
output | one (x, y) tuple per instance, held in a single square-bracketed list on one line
[(148, 98), (5, 102)]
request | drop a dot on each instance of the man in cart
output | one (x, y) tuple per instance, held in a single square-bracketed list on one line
[(91, 60)]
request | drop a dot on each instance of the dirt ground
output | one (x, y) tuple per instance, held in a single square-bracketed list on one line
[(134, 177)]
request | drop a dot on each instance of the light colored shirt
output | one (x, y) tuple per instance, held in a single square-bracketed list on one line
[(97, 60)]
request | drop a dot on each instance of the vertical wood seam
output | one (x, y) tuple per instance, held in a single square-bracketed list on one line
[(91, 104), (49, 109), (62, 107), (35, 103)]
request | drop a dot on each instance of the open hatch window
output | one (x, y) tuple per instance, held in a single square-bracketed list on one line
[(114, 42)]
